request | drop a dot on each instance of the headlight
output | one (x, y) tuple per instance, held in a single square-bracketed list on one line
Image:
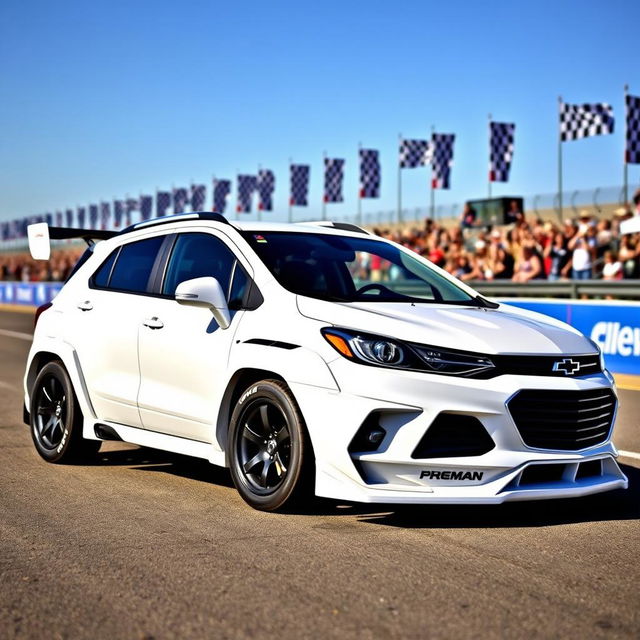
[(387, 352)]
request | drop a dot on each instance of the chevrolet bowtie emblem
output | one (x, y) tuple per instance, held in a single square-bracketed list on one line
[(567, 366)]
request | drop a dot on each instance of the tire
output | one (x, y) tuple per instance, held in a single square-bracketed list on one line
[(268, 448), (56, 419)]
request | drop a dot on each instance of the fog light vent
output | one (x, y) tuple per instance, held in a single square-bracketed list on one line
[(452, 435), (369, 436)]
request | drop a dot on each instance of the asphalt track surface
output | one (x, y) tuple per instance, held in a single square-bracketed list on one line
[(144, 544)]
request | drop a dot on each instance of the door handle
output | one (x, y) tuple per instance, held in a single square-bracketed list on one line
[(153, 323), (85, 305)]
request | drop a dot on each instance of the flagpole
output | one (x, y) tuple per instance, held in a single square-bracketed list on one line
[(324, 195), (360, 185), (238, 193), (259, 198), (626, 138), (489, 175), (560, 157), (432, 210), (290, 205), (399, 181)]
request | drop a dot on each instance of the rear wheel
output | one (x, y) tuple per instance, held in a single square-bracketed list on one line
[(268, 448), (56, 420)]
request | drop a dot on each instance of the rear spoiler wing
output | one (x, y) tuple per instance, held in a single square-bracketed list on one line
[(41, 234)]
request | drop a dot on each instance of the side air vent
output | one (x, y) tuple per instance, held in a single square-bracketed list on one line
[(453, 435)]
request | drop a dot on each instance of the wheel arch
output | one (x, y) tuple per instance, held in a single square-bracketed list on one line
[(56, 350), (239, 381)]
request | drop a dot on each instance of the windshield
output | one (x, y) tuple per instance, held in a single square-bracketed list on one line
[(346, 269)]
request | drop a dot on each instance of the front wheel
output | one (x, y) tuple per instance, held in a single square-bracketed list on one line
[(268, 449), (56, 420)]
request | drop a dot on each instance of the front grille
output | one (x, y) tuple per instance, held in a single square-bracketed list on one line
[(570, 366), (567, 420)]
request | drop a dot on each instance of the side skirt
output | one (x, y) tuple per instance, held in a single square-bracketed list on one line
[(154, 440)]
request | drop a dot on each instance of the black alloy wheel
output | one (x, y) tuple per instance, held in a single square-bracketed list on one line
[(51, 412), (268, 448), (264, 446), (56, 418)]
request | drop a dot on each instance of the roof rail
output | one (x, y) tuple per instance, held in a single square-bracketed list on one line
[(343, 226), (212, 216)]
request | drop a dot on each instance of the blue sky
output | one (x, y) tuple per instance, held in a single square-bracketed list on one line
[(103, 99)]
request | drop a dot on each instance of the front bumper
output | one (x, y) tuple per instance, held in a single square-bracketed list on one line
[(408, 403)]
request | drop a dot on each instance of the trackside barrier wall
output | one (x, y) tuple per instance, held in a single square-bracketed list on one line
[(28, 293), (614, 325)]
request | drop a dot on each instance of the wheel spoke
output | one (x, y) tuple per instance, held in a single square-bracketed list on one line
[(49, 398), (282, 435), (264, 416), (265, 472), (259, 457), (47, 428), (251, 435)]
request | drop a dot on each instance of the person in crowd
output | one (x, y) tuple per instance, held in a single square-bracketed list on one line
[(583, 252), (612, 269), (557, 256), (529, 265), (468, 217)]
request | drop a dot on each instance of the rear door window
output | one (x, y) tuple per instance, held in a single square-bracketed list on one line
[(133, 266)]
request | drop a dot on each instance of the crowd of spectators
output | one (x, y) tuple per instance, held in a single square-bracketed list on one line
[(19, 267), (525, 249), (529, 249)]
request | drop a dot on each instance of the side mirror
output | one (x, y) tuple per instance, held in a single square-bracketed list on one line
[(205, 292)]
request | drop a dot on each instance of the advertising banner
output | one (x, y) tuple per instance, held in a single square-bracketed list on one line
[(614, 325)]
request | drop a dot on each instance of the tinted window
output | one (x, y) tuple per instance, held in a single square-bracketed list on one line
[(349, 269), (101, 277), (196, 255), (238, 288), (134, 265)]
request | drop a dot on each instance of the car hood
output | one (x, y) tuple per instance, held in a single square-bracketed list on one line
[(506, 330)]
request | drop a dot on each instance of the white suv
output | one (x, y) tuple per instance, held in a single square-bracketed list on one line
[(314, 358)]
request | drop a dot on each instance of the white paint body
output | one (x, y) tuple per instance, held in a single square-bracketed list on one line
[(169, 388)]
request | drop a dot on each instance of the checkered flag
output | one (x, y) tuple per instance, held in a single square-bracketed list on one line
[(105, 214), (180, 200), (118, 213), (221, 191), (246, 186), (146, 207), (68, 216), (299, 174), (163, 202), (501, 150), (584, 120), (198, 197), (93, 216), (369, 173), (632, 155), (266, 184), (333, 179), (442, 160), (414, 153), (130, 205)]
